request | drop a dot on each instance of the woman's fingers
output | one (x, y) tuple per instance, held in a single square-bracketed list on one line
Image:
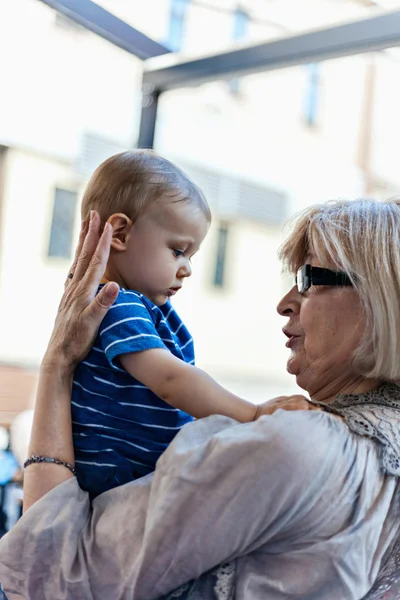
[(81, 309), (98, 262), (89, 246), (102, 302), (82, 237)]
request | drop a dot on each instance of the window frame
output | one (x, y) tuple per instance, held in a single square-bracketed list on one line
[(52, 252)]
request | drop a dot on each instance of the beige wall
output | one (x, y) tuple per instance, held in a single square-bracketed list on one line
[(57, 83), (30, 282), (17, 392)]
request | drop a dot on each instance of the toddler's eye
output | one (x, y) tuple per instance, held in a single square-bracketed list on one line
[(178, 253)]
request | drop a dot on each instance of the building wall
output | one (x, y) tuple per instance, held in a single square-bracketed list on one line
[(262, 135), (58, 82), (17, 392), (31, 283), (236, 327)]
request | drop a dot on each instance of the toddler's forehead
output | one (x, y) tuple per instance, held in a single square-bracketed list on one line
[(169, 213), (177, 219)]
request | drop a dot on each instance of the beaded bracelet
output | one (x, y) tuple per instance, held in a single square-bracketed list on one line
[(46, 459)]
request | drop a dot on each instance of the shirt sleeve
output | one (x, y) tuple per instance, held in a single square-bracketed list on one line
[(128, 327)]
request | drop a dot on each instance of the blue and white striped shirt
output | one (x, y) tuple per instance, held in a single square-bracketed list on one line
[(120, 427)]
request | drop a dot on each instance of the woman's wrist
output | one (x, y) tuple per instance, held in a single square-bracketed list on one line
[(51, 435), (54, 366)]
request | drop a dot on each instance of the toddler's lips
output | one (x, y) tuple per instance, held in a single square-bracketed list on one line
[(173, 291)]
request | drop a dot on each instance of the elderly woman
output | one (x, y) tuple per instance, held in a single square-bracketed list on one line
[(300, 504)]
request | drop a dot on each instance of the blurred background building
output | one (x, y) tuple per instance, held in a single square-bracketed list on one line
[(262, 147)]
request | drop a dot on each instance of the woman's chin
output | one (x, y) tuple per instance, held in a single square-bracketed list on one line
[(292, 366)]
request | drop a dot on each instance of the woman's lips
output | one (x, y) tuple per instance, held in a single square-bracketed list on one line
[(292, 338), (291, 341)]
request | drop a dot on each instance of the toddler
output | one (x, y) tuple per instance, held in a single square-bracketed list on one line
[(138, 385)]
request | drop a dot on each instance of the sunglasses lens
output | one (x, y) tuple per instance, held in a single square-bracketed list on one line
[(300, 280)]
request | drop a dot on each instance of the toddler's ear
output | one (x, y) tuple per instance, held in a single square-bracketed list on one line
[(121, 225)]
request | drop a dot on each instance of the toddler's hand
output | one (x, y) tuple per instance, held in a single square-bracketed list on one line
[(295, 402)]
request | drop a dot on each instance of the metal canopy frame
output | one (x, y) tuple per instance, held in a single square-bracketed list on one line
[(376, 33), (108, 26), (165, 71)]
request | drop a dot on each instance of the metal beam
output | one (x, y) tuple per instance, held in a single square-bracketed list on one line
[(380, 32), (148, 118), (108, 26)]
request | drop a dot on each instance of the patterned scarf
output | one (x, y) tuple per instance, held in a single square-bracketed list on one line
[(375, 414)]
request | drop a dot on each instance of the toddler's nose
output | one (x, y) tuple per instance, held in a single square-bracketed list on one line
[(185, 270)]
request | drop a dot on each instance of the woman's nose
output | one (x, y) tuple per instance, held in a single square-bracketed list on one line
[(289, 303)]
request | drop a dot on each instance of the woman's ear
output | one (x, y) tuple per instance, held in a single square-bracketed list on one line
[(121, 225)]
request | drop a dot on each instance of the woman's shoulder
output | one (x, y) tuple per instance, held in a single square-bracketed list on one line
[(284, 444), (304, 437), (299, 427), (313, 437)]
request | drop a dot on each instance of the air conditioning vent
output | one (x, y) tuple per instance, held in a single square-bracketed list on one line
[(238, 198), (95, 149)]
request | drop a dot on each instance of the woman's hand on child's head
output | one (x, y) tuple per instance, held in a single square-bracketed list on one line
[(295, 402), (81, 309)]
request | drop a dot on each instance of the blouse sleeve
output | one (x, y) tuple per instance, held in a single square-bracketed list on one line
[(223, 494), (220, 491)]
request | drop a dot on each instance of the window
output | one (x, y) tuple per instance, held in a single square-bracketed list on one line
[(62, 225), (240, 30), (220, 263), (240, 24), (177, 20), (312, 95)]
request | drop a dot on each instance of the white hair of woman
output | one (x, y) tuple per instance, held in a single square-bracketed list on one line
[(360, 238)]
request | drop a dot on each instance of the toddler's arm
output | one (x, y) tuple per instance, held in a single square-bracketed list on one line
[(190, 389)]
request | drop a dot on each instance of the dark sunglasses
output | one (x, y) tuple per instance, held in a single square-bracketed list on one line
[(308, 276)]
